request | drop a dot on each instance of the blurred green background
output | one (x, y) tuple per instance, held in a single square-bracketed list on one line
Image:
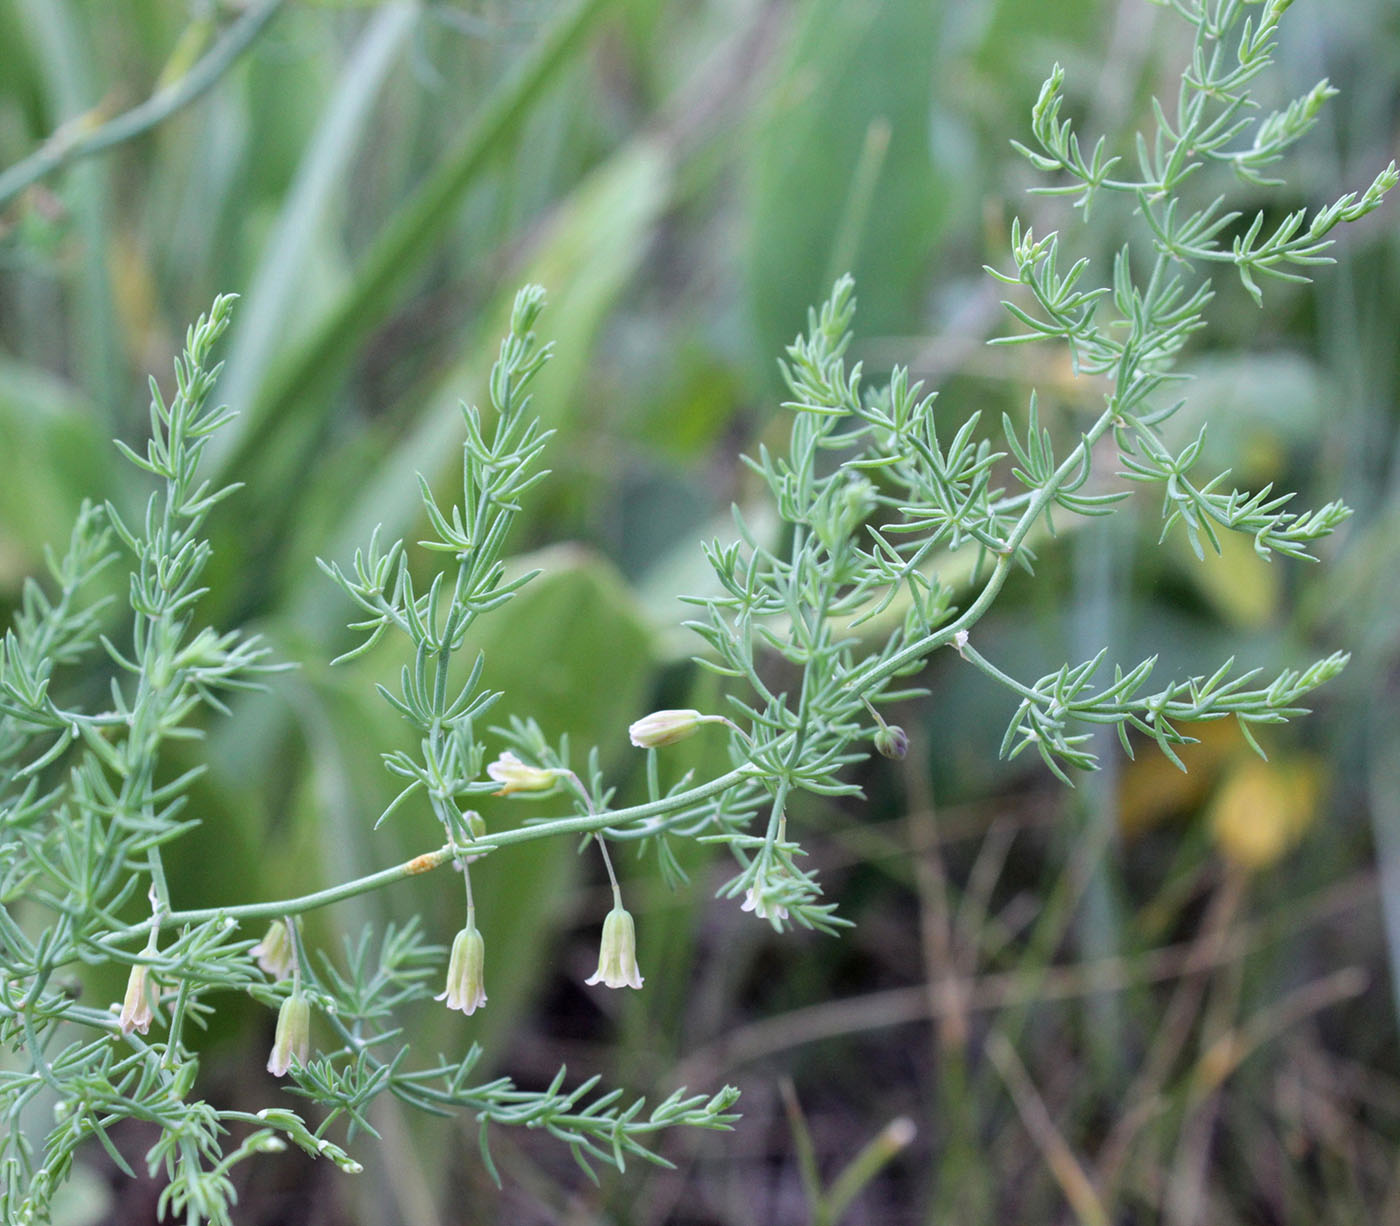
[(1156, 998)]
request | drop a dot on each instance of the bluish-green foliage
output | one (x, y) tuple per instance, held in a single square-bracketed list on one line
[(886, 533)]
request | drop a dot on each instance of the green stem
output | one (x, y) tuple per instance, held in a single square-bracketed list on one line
[(868, 678), (160, 889), (972, 656), (869, 1162), (612, 876), (63, 148), (425, 863), (299, 958)]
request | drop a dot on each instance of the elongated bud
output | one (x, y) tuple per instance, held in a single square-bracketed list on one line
[(138, 1008), (274, 952), (293, 1040), (516, 776), (667, 727), (466, 987), (892, 741), (617, 958)]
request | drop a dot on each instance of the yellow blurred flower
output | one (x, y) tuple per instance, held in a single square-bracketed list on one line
[(1262, 810)]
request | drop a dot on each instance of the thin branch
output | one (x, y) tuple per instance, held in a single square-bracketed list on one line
[(73, 140), (1059, 1157), (1007, 989), (590, 823)]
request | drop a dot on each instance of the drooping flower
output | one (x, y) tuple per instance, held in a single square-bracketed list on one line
[(293, 1038), (138, 1007), (466, 986), (667, 727), (516, 776), (753, 901), (617, 956), (274, 952)]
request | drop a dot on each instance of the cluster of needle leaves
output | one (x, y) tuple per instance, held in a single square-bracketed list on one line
[(876, 507)]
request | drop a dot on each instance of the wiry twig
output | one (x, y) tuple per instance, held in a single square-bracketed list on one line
[(77, 139)]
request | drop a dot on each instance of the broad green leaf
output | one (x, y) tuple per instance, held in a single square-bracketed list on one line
[(850, 66), (55, 456)]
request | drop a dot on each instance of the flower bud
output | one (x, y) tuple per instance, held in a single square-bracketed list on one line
[(466, 988), (516, 776), (138, 1008), (892, 741), (293, 1040), (274, 952), (667, 727), (475, 827), (617, 958)]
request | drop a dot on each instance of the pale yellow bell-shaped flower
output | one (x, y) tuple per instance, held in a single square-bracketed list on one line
[(138, 1007), (466, 986), (617, 957), (293, 1038), (274, 952)]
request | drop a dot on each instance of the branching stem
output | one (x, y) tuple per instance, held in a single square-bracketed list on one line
[(430, 860)]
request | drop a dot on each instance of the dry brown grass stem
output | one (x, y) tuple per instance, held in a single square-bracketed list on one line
[(1069, 1173), (907, 1005)]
